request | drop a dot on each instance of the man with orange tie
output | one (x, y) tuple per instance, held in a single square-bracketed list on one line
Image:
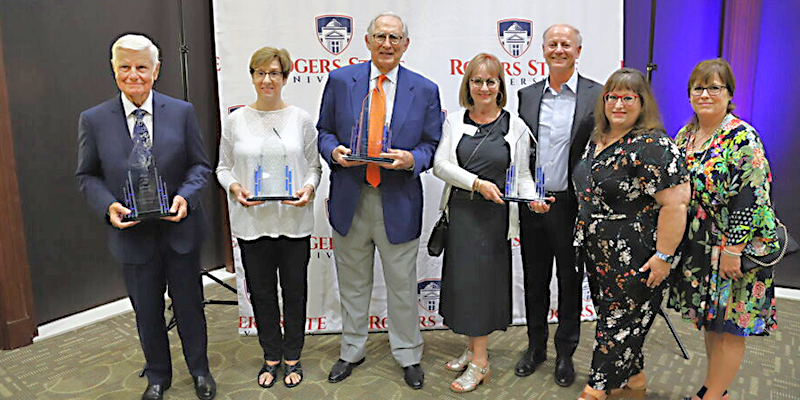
[(379, 205)]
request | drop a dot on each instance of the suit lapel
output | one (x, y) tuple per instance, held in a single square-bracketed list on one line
[(403, 98), (359, 88), (158, 127), (538, 90), (582, 105), (120, 129)]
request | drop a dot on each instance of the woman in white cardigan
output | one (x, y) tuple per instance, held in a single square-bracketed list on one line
[(477, 147)]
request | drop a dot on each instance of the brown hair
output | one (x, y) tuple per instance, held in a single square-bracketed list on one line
[(494, 66), (705, 71), (633, 80), (267, 54)]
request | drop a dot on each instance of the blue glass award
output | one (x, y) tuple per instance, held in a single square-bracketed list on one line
[(523, 185), (145, 192), (272, 178), (359, 139)]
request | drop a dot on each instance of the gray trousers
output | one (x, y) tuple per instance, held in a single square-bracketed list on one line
[(355, 254)]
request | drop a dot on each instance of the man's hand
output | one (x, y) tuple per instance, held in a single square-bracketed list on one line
[(180, 206), (306, 193), (541, 207), (339, 152), (116, 212), (242, 195), (402, 159)]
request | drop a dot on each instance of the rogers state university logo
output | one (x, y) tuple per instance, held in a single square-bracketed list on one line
[(428, 291), (334, 32), (515, 35)]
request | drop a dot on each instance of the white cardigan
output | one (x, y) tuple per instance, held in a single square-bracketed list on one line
[(445, 164)]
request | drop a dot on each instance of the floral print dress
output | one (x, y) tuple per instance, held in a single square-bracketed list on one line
[(730, 179), (615, 234)]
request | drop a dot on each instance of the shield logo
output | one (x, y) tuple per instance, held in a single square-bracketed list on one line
[(428, 291), (515, 35), (334, 32)]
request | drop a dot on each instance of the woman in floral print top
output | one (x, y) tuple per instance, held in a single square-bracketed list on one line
[(729, 213), (632, 189)]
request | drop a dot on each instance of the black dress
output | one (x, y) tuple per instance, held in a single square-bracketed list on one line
[(476, 276), (616, 234)]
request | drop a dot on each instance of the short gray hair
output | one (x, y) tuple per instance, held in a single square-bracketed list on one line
[(371, 26), (136, 43), (574, 30)]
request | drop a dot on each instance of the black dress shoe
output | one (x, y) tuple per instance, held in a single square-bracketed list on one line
[(528, 363), (565, 372), (414, 376), (155, 391), (205, 387), (342, 370)]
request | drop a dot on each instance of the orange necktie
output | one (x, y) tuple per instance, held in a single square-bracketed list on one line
[(377, 116)]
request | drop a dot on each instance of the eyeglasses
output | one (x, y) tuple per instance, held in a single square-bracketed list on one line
[(627, 100), (713, 90), (380, 38), (273, 75), (478, 82)]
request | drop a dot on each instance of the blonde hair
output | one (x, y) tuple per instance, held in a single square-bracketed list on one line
[(494, 66)]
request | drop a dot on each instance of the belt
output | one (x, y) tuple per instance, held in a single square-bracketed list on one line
[(554, 193), (610, 217)]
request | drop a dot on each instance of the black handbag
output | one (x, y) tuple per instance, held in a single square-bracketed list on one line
[(787, 246), (438, 238)]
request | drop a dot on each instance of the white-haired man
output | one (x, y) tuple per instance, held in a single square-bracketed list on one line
[(160, 252)]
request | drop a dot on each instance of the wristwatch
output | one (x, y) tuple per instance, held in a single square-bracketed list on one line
[(667, 258)]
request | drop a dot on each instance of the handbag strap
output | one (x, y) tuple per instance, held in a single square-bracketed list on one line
[(758, 262)]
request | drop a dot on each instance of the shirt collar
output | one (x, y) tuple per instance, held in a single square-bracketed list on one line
[(129, 107), (374, 73), (572, 83)]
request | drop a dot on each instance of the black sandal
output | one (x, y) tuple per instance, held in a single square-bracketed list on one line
[(269, 369), (702, 392), (292, 369)]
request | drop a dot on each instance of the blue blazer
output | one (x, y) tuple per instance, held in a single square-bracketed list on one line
[(104, 144), (416, 127)]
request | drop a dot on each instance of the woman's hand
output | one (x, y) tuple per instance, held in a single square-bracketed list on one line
[(306, 193), (659, 270), (241, 194), (489, 191), (730, 266)]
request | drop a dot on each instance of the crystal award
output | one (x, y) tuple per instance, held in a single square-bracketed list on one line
[(359, 140), (272, 178), (145, 192), (518, 175)]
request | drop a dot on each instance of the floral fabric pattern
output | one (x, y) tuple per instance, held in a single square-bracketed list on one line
[(730, 180), (615, 234)]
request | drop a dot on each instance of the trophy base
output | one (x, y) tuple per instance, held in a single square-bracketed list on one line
[(273, 198), (379, 160), (148, 215), (526, 200)]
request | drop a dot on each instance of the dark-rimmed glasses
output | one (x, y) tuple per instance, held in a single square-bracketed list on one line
[(713, 90), (273, 75), (478, 82), (627, 100)]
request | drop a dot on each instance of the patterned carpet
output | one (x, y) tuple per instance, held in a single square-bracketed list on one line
[(102, 362)]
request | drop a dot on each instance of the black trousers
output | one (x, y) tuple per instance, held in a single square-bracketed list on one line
[(544, 237), (263, 259), (146, 284)]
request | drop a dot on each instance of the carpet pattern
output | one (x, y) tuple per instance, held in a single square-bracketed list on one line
[(102, 362)]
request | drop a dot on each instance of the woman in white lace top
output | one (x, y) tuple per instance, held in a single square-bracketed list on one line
[(269, 148)]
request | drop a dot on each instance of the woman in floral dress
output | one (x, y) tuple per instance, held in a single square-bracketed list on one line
[(729, 213), (632, 191)]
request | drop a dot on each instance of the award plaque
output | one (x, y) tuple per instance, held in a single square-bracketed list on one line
[(519, 162), (273, 179), (145, 192), (359, 140)]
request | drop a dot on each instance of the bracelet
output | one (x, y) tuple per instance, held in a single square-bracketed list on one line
[(476, 186), (725, 250)]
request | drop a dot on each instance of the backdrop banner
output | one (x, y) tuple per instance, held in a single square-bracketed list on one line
[(444, 35)]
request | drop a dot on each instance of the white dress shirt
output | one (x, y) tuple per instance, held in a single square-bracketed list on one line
[(555, 132), (129, 108), (389, 88)]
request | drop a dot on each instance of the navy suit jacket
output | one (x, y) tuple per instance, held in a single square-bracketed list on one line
[(416, 127), (104, 144)]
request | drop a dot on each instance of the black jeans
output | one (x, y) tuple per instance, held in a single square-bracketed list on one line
[(263, 259)]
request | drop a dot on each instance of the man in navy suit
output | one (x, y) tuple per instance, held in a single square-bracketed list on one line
[(559, 111), (374, 206), (154, 253)]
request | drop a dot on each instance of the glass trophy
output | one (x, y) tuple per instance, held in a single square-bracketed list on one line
[(145, 192), (359, 140), (273, 179), (515, 182)]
